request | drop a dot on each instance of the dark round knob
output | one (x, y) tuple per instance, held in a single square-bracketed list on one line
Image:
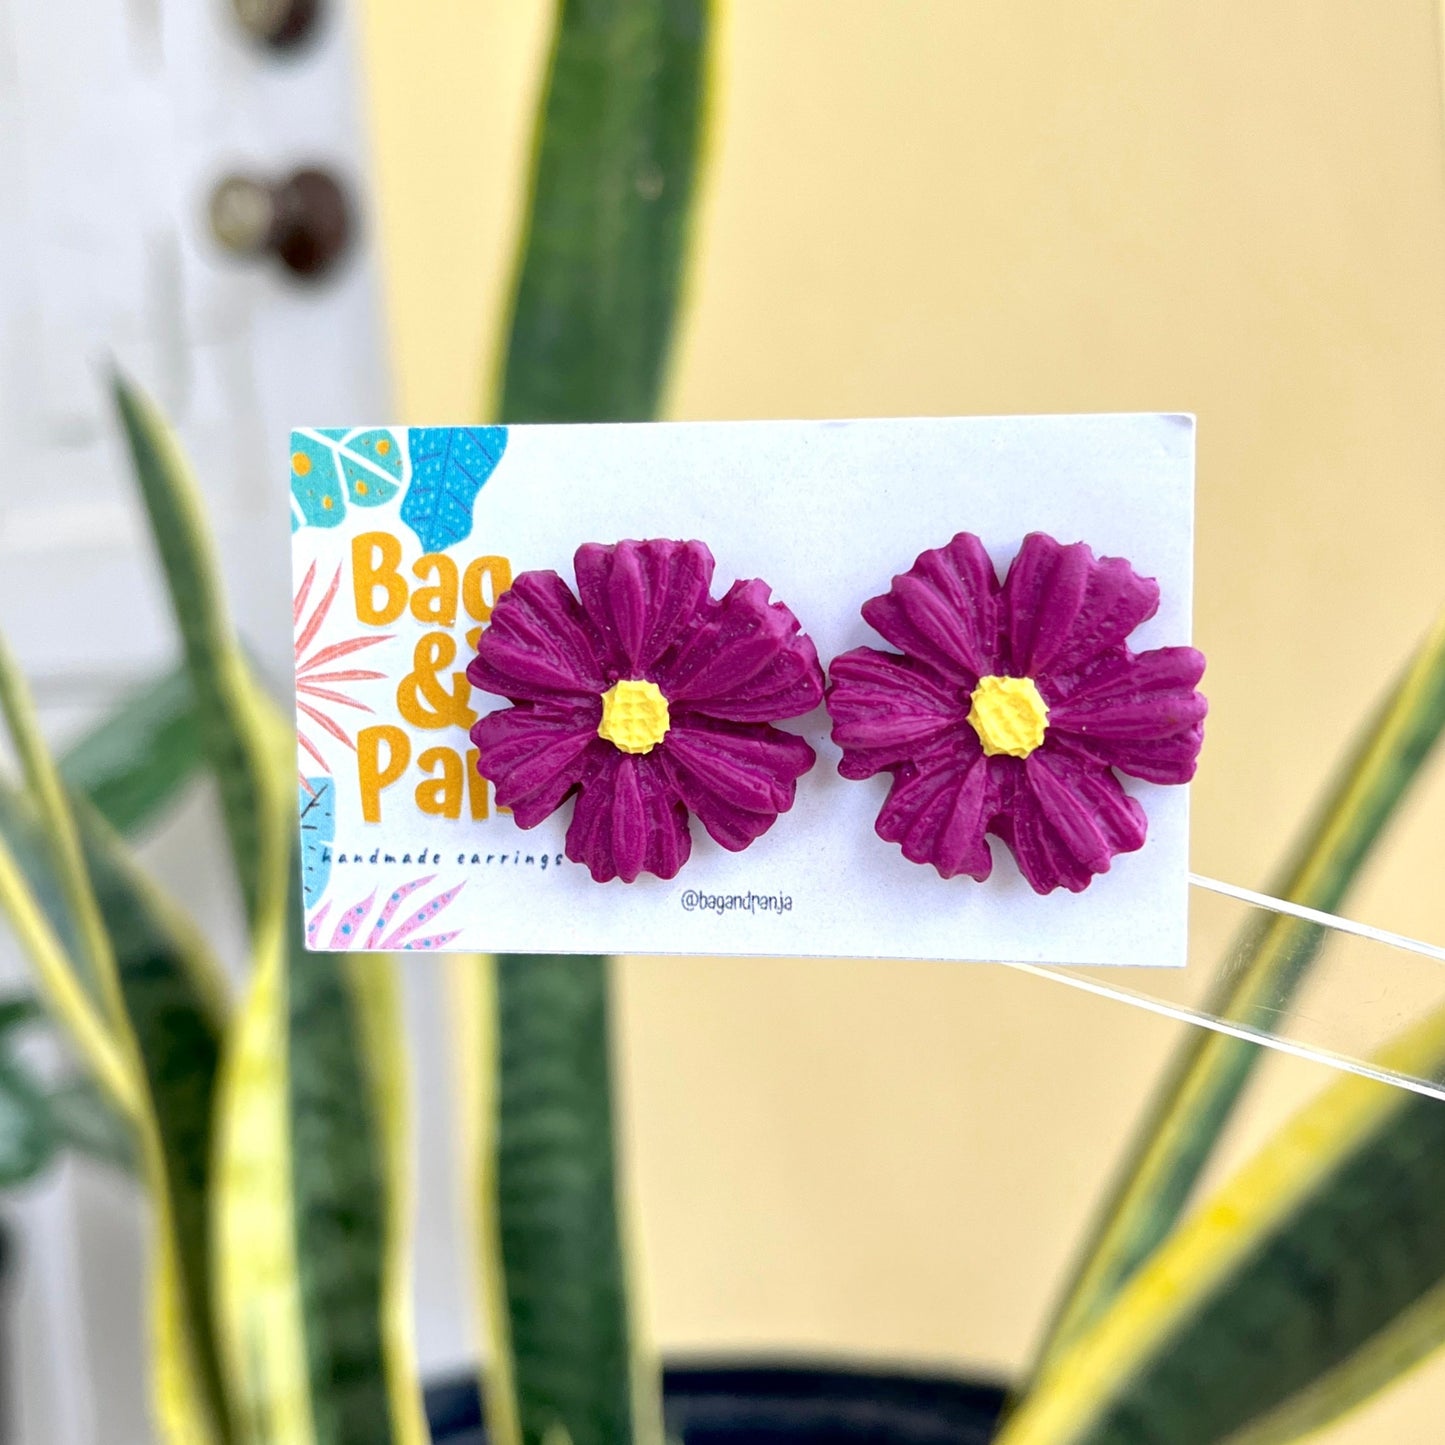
[(305, 220), (281, 24)]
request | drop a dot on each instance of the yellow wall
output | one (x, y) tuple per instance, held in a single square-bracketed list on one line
[(974, 206)]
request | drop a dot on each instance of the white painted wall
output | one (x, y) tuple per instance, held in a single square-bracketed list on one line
[(116, 117)]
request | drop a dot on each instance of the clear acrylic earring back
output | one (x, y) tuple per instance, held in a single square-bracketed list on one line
[(1308, 983)]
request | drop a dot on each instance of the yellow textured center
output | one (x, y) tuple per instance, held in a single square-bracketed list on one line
[(1009, 715), (634, 716)]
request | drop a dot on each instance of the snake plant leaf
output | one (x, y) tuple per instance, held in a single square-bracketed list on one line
[(1204, 1084), (134, 762), (70, 1114), (552, 1233), (49, 899), (17, 1010), (58, 841), (615, 172), (617, 158), (234, 730), (176, 1009), (1414, 1334), (165, 1027), (28, 1136), (85, 1122), (312, 1209), (1318, 1264)]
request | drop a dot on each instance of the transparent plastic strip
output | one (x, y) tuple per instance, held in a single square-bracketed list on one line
[(1362, 987)]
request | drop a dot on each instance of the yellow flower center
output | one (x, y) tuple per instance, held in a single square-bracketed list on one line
[(634, 716), (1009, 715)]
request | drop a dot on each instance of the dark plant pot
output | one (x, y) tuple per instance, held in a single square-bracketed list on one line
[(779, 1405)]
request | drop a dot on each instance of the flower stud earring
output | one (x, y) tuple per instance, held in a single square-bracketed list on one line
[(649, 700), (1008, 708)]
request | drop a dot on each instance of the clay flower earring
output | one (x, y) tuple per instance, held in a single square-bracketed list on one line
[(648, 699), (1010, 708)]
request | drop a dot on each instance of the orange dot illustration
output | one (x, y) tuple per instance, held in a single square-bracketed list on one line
[(327, 503), (300, 463), (383, 446), (361, 489)]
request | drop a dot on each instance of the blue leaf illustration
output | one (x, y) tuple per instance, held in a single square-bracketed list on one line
[(368, 464), (449, 466), (318, 832)]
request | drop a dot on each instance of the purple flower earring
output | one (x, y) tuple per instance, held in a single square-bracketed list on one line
[(648, 699), (1010, 708)]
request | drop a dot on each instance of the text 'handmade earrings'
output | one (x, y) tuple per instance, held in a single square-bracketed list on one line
[(1008, 707), (649, 699)]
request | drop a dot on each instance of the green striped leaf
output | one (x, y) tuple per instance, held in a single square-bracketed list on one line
[(617, 161), (79, 976), (1412, 1336), (235, 733), (85, 1122), (553, 1204), (309, 1207), (615, 174), (1321, 1262), (28, 1136), (1199, 1094), (35, 1117), (175, 1004), (133, 764), (172, 1019), (313, 1209)]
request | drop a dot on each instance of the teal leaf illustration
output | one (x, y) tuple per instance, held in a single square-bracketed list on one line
[(330, 466), (316, 482), (371, 463), (318, 832), (449, 467)]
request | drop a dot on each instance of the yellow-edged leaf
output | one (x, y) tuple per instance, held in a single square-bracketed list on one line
[(1198, 1095), (314, 1207), (229, 709), (259, 1311), (1312, 1253), (99, 894), (1411, 1337)]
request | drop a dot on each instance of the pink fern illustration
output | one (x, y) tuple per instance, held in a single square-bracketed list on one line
[(315, 685), (347, 934)]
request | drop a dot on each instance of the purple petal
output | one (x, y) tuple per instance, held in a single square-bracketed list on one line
[(1064, 606), (885, 709), (944, 611), (1165, 760), (1066, 819), (628, 820), (1137, 712), (748, 662), (642, 596), (536, 753), (939, 809), (539, 645), (737, 778)]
